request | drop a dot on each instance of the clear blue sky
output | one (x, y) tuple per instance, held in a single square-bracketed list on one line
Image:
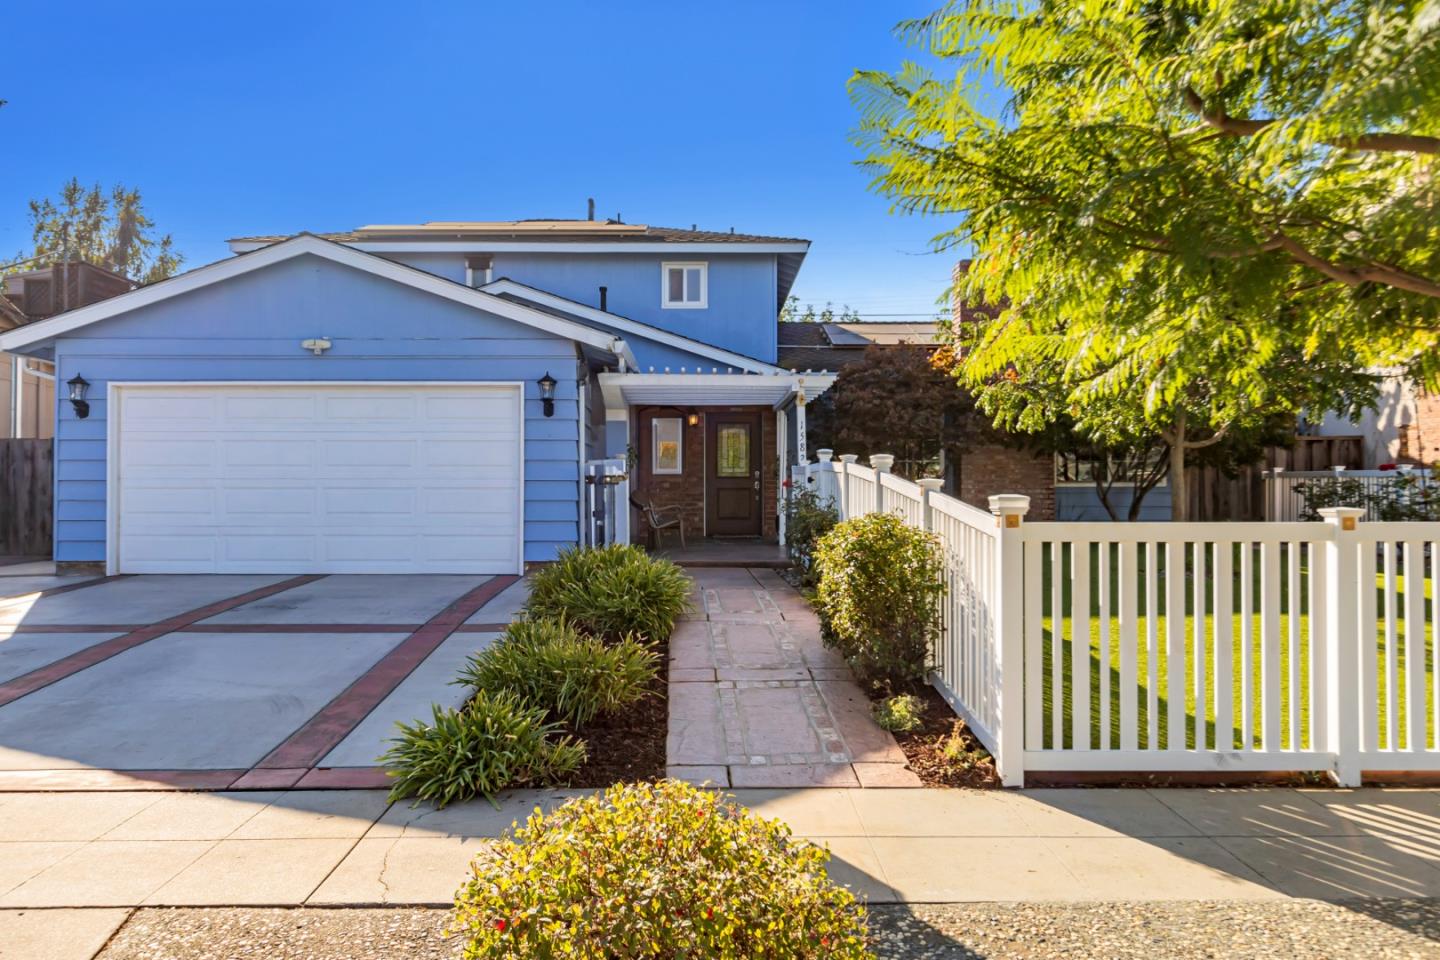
[(262, 117)]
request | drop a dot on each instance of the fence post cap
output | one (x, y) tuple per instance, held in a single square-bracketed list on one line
[(882, 461), (1338, 514), (931, 484), (1009, 504), (824, 455), (849, 457)]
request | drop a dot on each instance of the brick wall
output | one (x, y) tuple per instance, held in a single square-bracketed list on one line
[(986, 471), (686, 490), (1426, 429)]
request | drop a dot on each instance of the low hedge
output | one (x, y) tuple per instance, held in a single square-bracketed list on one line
[(879, 598)]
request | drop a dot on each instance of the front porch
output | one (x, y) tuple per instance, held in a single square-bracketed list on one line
[(712, 552), (705, 459)]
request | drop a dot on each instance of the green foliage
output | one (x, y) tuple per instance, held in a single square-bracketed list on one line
[(896, 401), (110, 230), (879, 597), (808, 517), (574, 678), (1403, 496), (792, 312), (656, 870), (493, 742), (899, 714), (610, 592), (1191, 217)]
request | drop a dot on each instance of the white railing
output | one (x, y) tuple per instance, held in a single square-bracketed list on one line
[(1171, 648), (605, 503), (1284, 503)]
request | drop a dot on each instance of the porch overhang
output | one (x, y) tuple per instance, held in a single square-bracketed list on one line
[(711, 389)]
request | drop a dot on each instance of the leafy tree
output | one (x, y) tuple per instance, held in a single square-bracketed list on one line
[(792, 312), (1203, 215), (110, 230), (894, 401)]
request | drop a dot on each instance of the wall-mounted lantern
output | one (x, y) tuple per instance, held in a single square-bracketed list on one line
[(693, 419), (78, 387), (547, 394)]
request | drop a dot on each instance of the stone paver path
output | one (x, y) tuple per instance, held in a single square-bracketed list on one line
[(756, 700)]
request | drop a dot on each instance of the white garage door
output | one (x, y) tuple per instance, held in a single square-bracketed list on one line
[(274, 478)]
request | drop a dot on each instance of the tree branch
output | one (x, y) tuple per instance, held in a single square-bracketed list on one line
[(1366, 142)]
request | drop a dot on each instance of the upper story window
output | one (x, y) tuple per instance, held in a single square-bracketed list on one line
[(684, 286)]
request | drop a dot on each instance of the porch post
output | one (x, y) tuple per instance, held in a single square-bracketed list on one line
[(781, 457), (617, 446), (802, 454)]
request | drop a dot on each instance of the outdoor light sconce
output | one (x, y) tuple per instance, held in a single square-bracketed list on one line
[(78, 386), (547, 394), (693, 419)]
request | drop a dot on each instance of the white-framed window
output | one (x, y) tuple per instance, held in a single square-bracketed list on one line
[(684, 286), (1084, 467), (667, 445)]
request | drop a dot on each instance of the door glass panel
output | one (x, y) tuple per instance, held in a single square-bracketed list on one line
[(732, 451)]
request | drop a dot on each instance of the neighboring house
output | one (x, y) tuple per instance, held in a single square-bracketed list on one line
[(27, 387), (375, 401)]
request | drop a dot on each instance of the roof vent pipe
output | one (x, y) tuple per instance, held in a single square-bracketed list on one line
[(590, 212), (603, 291)]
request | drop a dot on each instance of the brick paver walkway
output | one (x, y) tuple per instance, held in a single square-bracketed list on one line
[(756, 700)]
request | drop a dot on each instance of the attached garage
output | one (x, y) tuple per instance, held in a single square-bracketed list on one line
[(316, 478)]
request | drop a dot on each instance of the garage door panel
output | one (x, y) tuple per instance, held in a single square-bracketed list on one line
[(261, 502), (373, 451), (296, 479)]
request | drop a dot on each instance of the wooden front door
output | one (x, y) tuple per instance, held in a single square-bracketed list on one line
[(732, 474)]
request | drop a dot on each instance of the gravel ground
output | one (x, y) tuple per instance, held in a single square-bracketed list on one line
[(1300, 929)]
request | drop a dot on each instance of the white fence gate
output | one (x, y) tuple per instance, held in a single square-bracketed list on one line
[(1283, 501), (1164, 647)]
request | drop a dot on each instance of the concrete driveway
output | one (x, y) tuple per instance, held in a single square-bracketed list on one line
[(263, 682)]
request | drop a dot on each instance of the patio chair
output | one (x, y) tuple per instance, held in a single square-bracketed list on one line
[(660, 519)]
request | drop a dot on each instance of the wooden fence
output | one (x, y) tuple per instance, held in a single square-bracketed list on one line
[(1177, 647), (1215, 496), (27, 472)]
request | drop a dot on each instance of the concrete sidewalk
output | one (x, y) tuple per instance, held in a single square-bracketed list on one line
[(905, 845)]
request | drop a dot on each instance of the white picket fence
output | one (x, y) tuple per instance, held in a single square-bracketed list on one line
[(1292, 646), (604, 503)]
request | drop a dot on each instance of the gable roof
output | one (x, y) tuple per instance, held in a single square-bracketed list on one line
[(550, 302), (309, 245)]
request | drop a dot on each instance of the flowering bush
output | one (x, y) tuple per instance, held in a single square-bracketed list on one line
[(879, 597), (656, 870)]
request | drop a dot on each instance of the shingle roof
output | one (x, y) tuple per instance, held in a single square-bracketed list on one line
[(833, 346), (558, 231)]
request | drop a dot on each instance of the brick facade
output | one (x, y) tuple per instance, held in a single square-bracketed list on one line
[(989, 470), (686, 490), (1424, 441)]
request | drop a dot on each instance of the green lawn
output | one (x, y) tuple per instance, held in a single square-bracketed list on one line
[(1150, 691)]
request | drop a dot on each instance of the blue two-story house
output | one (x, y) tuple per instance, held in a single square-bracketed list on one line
[(422, 398)]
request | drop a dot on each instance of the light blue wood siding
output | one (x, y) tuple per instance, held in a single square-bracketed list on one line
[(250, 328)]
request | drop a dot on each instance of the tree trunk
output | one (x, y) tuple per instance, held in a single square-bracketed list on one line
[(1179, 496)]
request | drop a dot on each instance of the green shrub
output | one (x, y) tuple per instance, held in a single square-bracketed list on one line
[(609, 592), (493, 742), (899, 714), (656, 870), (572, 677), (808, 517), (879, 598)]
